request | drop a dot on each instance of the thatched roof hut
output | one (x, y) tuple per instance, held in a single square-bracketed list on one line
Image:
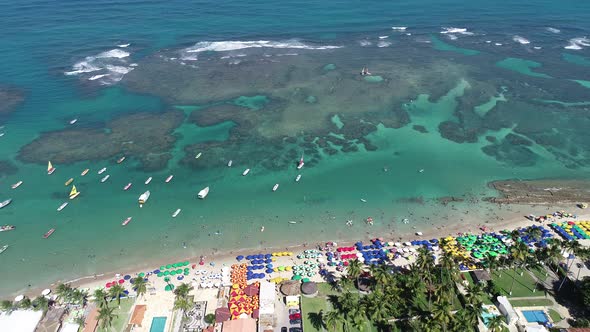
[(309, 288), (290, 287)]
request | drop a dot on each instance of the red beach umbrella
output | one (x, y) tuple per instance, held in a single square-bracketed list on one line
[(108, 285), (122, 281)]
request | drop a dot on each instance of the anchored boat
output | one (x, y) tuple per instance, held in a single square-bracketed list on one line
[(7, 228), (73, 121), (203, 193), (301, 163), (298, 178), (276, 186), (16, 185), (246, 172), (229, 163), (198, 155), (102, 170), (49, 232), (143, 198), (176, 213), (69, 182), (106, 177), (50, 168), (148, 180), (61, 207), (169, 178), (127, 186), (126, 221), (84, 172), (121, 160), (3, 249), (5, 203)]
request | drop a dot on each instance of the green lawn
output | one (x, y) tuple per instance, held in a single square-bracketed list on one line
[(540, 302), (121, 320), (555, 316), (539, 272), (320, 302), (523, 285)]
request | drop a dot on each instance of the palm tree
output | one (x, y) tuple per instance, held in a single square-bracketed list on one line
[(354, 270), (182, 303), (80, 320), (140, 286), (442, 314), (100, 297), (6, 306), (496, 323), (573, 247), (520, 252), (25, 303), (535, 233), (474, 294), (79, 297), (182, 290), (106, 316), (41, 303), (381, 275), (117, 291), (64, 292), (332, 320)]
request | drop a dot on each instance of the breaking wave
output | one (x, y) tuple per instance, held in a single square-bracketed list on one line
[(521, 40), (399, 28), (107, 67), (456, 31), (578, 43), (383, 43), (553, 30)]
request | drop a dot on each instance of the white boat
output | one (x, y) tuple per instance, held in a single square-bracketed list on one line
[(292, 222), (5, 203), (198, 155), (84, 172), (298, 178), (126, 221), (229, 163), (143, 198), (419, 233), (148, 180), (61, 207), (120, 160), (176, 213), (50, 168), (203, 193), (74, 193), (246, 172), (127, 186), (2, 134), (363, 200), (73, 121), (421, 170), (301, 163), (3, 249), (16, 185), (169, 178), (102, 170), (276, 186), (105, 178)]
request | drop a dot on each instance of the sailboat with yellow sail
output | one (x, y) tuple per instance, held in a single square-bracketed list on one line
[(74, 193), (50, 168)]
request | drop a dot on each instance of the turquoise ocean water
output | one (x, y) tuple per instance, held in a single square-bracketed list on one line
[(532, 59)]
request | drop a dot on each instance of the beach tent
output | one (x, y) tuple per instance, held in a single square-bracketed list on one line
[(222, 314), (20, 320)]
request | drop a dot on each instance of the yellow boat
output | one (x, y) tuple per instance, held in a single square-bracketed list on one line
[(69, 181), (85, 172), (74, 193)]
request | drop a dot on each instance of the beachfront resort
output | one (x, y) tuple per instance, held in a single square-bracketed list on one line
[(534, 278)]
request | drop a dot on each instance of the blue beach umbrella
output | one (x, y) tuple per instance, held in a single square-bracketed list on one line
[(239, 258)]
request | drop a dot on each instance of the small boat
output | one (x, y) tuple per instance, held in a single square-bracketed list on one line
[(50, 168), (2, 134), (298, 178), (246, 172), (363, 200), (74, 193), (198, 155), (69, 182), (120, 160), (106, 177), (5, 203), (126, 221), (261, 228), (301, 163), (419, 233), (16, 185), (276, 186), (102, 170), (127, 186), (73, 121), (143, 198), (7, 228), (84, 172), (229, 163), (49, 232), (169, 178), (421, 170), (176, 213), (3, 249), (61, 207), (203, 193), (148, 180), (292, 222)]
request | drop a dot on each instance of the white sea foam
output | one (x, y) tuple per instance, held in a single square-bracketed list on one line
[(488, 41), (460, 31), (521, 40), (578, 43), (553, 30), (383, 37), (399, 28), (365, 43), (222, 46), (537, 47), (452, 37), (123, 45), (108, 67), (383, 44), (498, 44), (408, 34)]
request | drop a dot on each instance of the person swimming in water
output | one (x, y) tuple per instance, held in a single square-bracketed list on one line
[(365, 71)]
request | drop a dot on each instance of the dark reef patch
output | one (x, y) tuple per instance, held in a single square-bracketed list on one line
[(10, 98), (7, 168), (420, 129)]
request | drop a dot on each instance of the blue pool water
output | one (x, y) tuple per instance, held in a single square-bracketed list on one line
[(538, 316), (158, 324), (485, 317)]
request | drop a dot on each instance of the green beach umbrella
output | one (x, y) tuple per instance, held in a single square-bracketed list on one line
[(166, 279), (162, 268), (185, 263), (296, 277), (305, 280), (173, 273), (166, 273), (142, 274), (179, 271), (168, 266), (169, 287), (160, 274)]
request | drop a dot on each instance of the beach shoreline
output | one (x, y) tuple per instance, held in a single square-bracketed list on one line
[(515, 218)]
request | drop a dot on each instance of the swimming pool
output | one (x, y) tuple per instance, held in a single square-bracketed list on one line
[(158, 324), (538, 316)]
